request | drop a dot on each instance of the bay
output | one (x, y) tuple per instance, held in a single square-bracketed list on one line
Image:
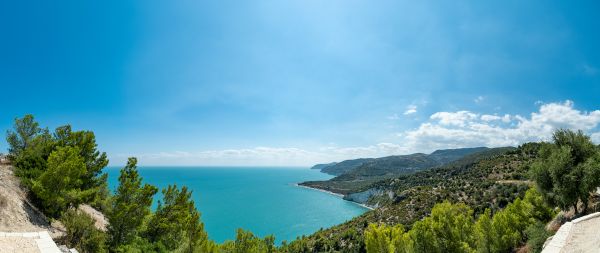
[(263, 200)]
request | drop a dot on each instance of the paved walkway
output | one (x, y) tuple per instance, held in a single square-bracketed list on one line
[(31, 242), (580, 235)]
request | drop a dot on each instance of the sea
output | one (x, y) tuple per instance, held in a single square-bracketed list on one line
[(264, 200)]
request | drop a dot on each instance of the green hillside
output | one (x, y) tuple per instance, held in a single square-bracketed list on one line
[(345, 166), (361, 177), (489, 179)]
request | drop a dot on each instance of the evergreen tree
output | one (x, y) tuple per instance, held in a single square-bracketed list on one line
[(177, 220), (29, 148), (25, 130), (130, 206), (81, 232), (60, 185), (246, 242), (94, 160), (387, 239), (568, 169), (483, 232), (423, 237)]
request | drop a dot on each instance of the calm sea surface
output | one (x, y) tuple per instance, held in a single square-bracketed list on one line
[(262, 200)]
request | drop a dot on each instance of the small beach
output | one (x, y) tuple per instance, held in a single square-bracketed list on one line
[(335, 194)]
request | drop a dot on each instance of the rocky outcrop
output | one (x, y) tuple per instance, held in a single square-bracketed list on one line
[(364, 196)]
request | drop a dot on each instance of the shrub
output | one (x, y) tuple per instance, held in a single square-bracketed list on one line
[(536, 236), (59, 187), (81, 232)]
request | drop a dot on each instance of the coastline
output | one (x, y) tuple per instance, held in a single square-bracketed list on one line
[(335, 194)]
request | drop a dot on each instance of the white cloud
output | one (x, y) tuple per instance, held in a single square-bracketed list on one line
[(410, 109), (454, 118), (464, 128), (487, 117), (479, 99), (267, 156), (442, 130)]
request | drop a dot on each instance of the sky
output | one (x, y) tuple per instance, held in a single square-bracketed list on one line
[(275, 83)]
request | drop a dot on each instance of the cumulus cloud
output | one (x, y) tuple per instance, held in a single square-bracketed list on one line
[(469, 129), (410, 109), (454, 118), (489, 118), (442, 130)]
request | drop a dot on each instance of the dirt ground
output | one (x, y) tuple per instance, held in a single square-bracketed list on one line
[(17, 214)]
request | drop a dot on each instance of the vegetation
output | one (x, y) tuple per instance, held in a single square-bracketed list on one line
[(452, 228), (176, 222), (130, 206), (39, 155), (82, 233), (246, 242), (490, 179), (481, 200), (569, 169), (60, 185), (363, 176)]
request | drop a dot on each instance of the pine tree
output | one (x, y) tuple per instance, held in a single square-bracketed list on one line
[(60, 186), (130, 206), (483, 232), (177, 220)]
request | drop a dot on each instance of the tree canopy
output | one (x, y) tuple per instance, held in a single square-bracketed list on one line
[(568, 169), (130, 206)]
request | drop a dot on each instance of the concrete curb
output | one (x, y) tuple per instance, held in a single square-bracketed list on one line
[(42, 239), (569, 234)]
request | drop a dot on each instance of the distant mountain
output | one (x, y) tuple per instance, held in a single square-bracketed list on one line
[(390, 165), (449, 155), (345, 166), (322, 166), (394, 165), (355, 175)]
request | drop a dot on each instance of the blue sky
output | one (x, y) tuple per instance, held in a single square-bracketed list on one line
[(298, 82)]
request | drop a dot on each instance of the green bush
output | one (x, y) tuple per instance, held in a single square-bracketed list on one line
[(60, 186), (81, 232), (536, 236)]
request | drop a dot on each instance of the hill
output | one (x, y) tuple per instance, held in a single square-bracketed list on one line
[(366, 172), (345, 166), (444, 156), (487, 179), (322, 166)]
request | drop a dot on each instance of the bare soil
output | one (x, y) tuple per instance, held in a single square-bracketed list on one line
[(17, 214)]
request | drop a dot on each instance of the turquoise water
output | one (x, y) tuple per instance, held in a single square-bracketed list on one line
[(262, 200)]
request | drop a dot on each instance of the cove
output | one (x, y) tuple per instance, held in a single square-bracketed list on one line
[(264, 200)]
